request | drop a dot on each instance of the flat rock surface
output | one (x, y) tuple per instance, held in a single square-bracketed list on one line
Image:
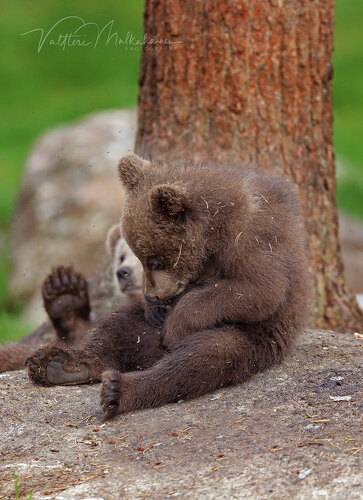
[(295, 431)]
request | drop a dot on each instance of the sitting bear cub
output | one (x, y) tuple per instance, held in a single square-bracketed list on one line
[(225, 287)]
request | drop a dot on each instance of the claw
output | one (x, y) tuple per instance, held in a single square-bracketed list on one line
[(110, 394)]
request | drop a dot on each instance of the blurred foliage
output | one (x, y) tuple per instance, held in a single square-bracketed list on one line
[(348, 104), (58, 84), (39, 89)]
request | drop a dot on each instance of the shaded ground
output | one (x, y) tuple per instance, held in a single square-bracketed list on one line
[(293, 432)]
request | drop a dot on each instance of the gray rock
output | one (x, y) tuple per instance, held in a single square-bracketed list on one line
[(250, 441), (70, 196), (351, 239)]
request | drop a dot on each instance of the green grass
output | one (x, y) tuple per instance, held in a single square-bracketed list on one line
[(18, 489), (348, 104), (40, 90)]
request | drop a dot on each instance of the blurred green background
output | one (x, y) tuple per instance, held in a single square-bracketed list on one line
[(40, 90)]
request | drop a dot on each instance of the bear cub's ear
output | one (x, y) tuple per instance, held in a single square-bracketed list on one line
[(130, 169), (113, 236), (169, 200)]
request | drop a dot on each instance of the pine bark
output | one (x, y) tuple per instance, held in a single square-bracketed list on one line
[(251, 81)]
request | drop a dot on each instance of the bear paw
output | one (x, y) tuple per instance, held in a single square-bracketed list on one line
[(56, 367), (111, 394), (65, 297)]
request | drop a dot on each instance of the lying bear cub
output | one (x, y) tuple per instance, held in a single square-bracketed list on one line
[(225, 287), (73, 304)]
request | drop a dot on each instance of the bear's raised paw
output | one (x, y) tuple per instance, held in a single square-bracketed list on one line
[(66, 300)]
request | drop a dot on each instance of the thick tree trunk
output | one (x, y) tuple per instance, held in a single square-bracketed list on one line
[(242, 80)]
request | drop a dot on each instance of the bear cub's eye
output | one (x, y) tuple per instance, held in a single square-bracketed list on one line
[(122, 258), (155, 264)]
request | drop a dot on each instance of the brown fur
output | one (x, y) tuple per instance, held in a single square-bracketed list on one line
[(65, 297), (224, 262), (66, 301)]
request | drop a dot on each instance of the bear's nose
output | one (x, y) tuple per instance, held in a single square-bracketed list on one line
[(124, 273), (153, 299)]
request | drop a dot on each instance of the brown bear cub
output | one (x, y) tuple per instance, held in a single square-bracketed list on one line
[(225, 284), (66, 301), (67, 298)]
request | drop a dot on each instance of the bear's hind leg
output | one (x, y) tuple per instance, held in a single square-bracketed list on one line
[(123, 341), (56, 366), (203, 362)]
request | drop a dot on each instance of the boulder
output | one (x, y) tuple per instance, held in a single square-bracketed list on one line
[(351, 239), (294, 431)]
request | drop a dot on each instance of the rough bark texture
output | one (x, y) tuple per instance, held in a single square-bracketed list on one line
[(252, 81)]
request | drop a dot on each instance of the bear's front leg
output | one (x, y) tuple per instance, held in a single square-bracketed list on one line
[(231, 301), (194, 312)]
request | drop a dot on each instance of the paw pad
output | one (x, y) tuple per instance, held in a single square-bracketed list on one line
[(64, 291)]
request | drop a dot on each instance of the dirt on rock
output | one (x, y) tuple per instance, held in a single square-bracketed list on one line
[(295, 431)]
